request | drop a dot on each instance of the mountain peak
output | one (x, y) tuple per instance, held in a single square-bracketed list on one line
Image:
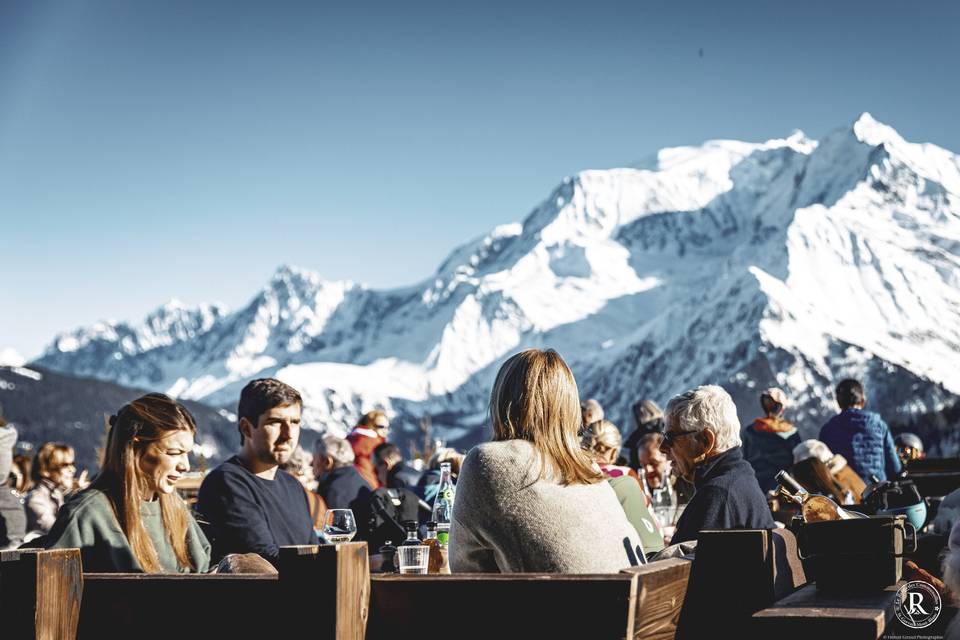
[(288, 272), (873, 132), (9, 357)]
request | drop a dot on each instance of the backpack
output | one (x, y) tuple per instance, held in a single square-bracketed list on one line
[(387, 510)]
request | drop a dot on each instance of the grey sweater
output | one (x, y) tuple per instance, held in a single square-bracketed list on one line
[(507, 520)]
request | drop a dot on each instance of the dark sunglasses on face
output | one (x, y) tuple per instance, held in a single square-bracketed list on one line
[(670, 437)]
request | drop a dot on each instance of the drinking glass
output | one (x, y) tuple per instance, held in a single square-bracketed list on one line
[(339, 525), (413, 558)]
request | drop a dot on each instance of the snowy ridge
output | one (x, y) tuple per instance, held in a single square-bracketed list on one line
[(789, 262)]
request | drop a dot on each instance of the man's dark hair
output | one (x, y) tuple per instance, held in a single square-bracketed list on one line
[(261, 395), (850, 393), (386, 450)]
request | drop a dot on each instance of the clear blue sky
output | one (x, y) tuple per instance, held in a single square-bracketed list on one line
[(186, 148)]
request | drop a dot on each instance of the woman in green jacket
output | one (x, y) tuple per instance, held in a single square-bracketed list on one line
[(602, 440), (131, 519)]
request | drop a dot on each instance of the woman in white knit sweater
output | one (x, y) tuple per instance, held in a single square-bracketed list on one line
[(533, 500)]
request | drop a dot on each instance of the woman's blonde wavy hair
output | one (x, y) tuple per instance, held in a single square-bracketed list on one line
[(132, 430), (600, 438), (535, 398)]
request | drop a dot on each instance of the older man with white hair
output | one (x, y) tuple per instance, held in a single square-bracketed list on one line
[(702, 438), (341, 485)]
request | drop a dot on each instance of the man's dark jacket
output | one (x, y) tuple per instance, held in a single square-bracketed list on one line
[(345, 488), (727, 497), (403, 476)]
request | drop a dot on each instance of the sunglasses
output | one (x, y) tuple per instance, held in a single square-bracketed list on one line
[(670, 437)]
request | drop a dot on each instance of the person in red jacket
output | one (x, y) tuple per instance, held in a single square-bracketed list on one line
[(370, 432)]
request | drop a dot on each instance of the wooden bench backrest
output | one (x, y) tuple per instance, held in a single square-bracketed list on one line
[(503, 605), (40, 593), (661, 589), (640, 602), (321, 591), (736, 573)]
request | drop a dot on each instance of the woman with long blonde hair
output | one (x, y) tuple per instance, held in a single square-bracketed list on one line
[(533, 499), (131, 519)]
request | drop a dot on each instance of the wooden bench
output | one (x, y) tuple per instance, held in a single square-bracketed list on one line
[(40, 593), (735, 574), (321, 591), (934, 476), (641, 602), (809, 613)]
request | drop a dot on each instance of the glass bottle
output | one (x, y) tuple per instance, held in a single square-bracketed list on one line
[(389, 554), (412, 538), (437, 562), (443, 503), (813, 507)]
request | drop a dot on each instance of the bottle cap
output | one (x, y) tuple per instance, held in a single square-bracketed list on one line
[(410, 525), (431, 526)]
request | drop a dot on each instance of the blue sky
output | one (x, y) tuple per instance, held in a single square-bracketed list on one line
[(151, 150)]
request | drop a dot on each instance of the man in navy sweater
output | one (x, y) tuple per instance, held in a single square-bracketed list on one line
[(702, 438), (247, 505)]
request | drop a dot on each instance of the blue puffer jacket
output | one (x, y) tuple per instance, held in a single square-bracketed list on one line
[(864, 439)]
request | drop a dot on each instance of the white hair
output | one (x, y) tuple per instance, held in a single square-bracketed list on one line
[(337, 448), (706, 407)]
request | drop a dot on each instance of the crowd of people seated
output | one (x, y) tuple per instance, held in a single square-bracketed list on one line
[(557, 489)]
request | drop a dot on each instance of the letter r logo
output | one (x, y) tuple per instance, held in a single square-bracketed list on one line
[(914, 605)]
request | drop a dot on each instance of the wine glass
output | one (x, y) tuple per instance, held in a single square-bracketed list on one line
[(339, 525), (664, 500)]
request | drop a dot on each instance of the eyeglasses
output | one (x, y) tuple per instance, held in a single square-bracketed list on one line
[(669, 437)]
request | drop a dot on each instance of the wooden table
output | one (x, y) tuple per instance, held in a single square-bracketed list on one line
[(808, 613)]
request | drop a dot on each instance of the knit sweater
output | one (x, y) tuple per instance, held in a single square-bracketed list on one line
[(727, 497), (507, 518), (87, 522), (244, 513)]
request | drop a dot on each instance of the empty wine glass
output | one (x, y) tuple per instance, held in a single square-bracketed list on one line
[(339, 525)]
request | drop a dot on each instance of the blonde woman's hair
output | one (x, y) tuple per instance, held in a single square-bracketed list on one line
[(535, 398), (601, 437), (50, 458), (132, 430), (373, 419)]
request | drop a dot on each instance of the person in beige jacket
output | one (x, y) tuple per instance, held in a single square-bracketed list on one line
[(532, 500), (53, 474)]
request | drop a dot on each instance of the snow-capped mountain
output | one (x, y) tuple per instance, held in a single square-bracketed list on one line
[(790, 262), (10, 357)]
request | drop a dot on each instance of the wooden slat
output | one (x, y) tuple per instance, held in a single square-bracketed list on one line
[(40, 593), (332, 583), (145, 605), (736, 573), (809, 612), (504, 605), (661, 587), (321, 592)]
